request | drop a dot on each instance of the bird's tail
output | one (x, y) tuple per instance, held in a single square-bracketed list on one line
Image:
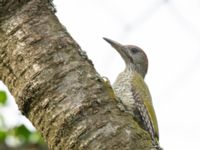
[(157, 145)]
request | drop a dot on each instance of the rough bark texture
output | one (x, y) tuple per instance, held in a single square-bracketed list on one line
[(56, 86)]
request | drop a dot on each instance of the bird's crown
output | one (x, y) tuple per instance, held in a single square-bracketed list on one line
[(134, 57)]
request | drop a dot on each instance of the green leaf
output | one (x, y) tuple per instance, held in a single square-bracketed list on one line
[(2, 135), (22, 132), (36, 138), (3, 97)]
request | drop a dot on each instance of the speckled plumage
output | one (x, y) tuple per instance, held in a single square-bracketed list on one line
[(132, 91)]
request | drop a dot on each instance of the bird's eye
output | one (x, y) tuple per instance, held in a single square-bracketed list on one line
[(134, 50)]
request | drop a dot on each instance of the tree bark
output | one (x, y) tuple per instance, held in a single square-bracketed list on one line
[(56, 86)]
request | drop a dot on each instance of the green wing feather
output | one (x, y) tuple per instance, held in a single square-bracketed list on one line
[(145, 96)]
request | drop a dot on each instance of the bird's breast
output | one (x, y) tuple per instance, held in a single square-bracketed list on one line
[(123, 90)]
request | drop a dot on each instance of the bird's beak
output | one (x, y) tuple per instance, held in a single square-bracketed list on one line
[(114, 44), (119, 47)]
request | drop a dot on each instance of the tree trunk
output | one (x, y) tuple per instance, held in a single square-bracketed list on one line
[(56, 86)]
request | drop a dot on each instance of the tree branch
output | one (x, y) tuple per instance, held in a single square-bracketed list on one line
[(56, 86)]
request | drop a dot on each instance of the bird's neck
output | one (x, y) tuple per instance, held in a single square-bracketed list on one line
[(125, 77), (133, 69)]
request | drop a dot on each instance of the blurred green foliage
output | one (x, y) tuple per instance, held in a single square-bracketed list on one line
[(3, 97), (21, 136), (26, 136), (2, 135)]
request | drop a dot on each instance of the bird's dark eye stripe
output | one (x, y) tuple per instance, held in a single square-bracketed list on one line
[(134, 50)]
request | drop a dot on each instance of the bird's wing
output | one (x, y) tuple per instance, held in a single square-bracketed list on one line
[(144, 103)]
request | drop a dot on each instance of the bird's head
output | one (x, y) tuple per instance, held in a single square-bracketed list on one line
[(134, 57)]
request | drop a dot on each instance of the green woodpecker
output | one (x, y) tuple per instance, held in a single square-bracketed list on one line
[(133, 92)]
